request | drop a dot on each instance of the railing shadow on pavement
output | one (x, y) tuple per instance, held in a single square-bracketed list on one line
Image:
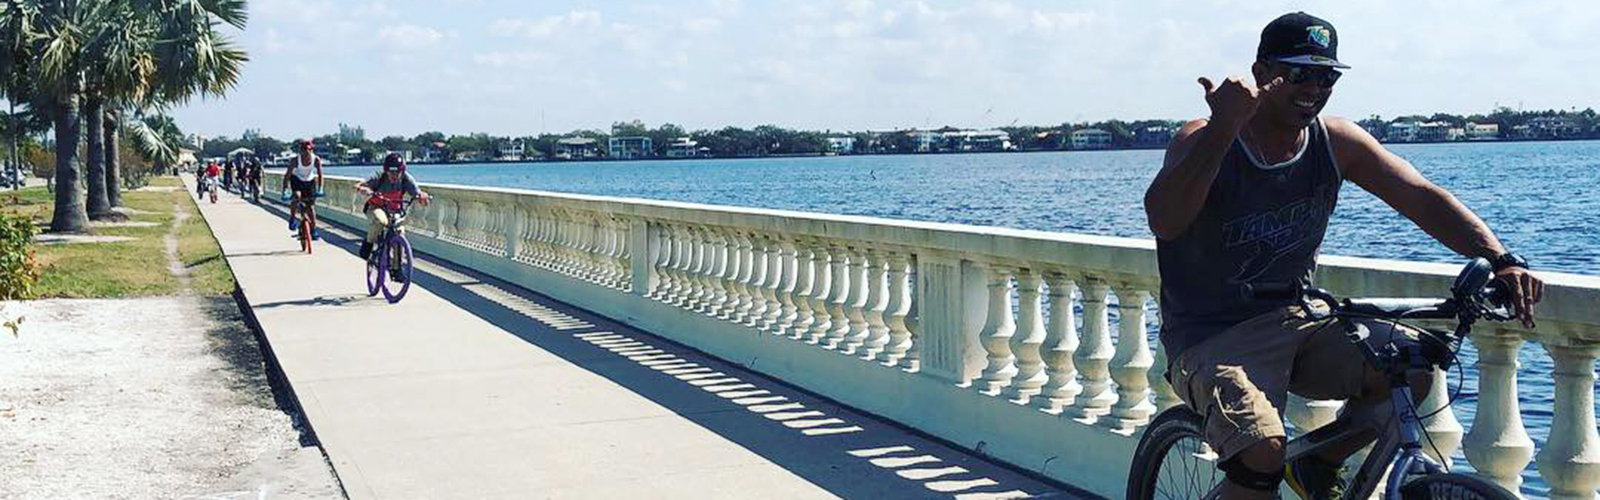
[(827, 444)]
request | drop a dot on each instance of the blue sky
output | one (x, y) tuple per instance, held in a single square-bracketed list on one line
[(521, 68)]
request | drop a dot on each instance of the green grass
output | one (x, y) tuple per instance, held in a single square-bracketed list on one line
[(33, 202), (136, 268), (209, 273)]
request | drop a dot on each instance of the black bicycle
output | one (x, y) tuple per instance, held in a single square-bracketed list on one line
[(389, 264), (1173, 462)]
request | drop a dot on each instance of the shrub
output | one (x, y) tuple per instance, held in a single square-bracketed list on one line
[(18, 269)]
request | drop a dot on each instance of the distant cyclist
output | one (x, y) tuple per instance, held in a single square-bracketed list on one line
[(386, 189), (304, 179), (208, 182)]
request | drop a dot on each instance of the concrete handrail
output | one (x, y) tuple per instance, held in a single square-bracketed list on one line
[(923, 315)]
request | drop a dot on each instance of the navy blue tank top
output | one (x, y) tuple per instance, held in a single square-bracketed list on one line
[(1260, 224)]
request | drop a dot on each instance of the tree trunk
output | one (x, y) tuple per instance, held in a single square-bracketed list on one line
[(113, 159), (94, 117), (70, 216)]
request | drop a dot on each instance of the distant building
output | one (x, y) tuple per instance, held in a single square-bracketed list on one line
[(1482, 131), (1522, 132), (842, 145), (1090, 138), (683, 147), (1153, 136), (1403, 131), (1433, 132), (1555, 127), (978, 140), (511, 150), (577, 148), (630, 147), (927, 141)]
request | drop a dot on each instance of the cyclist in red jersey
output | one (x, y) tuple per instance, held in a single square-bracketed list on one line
[(386, 189)]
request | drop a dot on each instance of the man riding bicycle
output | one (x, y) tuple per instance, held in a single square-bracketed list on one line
[(1243, 198), (304, 178), (387, 189), (208, 177)]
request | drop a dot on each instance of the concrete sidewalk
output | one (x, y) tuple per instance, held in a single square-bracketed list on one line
[(473, 388)]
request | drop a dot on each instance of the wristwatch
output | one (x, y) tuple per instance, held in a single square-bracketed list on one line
[(1507, 260)]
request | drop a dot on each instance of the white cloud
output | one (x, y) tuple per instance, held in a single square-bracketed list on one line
[(549, 26), (410, 36)]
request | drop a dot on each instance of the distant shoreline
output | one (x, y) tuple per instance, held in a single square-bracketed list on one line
[(822, 155)]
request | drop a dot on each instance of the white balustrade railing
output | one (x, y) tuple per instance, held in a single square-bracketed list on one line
[(915, 321)]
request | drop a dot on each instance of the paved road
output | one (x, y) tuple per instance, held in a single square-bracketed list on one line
[(474, 388)]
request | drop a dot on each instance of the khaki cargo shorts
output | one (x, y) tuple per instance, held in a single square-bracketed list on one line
[(1239, 380)]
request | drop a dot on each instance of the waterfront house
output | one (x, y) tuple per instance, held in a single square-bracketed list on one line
[(1090, 138), (842, 145), (577, 148), (1554, 127), (1433, 132), (629, 148), (978, 140), (1153, 136), (927, 141), (1405, 131), (511, 150), (1483, 131), (684, 147)]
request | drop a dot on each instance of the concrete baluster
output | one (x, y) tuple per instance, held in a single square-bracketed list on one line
[(1093, 357), (757, 282), (1132, 361), (912, 361), (895, 308), (712, 264), (1029, 338), (741, 281), (804, 289), (998, 327), (771, 294), (877, 304), (670, 258), (723, 271), (822, 290), (1570, 460), (843, 289), (855, 306), (1060, 342), (1444, 430), (790, 270), (694, 283), (623, 254), (1498, 446)]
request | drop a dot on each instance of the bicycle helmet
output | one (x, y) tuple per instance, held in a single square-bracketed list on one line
[(393, 163)]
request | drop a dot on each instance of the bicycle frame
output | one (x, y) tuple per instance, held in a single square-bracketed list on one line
[(1398, 448)]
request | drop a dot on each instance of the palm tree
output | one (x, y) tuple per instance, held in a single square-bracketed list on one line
[(157, 137), (152, 52), (42, 41), (156, 53)]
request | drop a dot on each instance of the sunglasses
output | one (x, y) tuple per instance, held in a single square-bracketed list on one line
[(1321, 75)]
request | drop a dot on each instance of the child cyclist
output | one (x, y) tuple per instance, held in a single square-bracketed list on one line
[(387, 189)]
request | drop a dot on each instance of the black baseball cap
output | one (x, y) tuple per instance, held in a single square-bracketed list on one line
[(1300, 38)]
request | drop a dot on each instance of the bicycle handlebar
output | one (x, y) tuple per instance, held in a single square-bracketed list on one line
[(1475, 296)]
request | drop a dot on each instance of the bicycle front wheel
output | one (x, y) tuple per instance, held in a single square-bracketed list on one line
[(1453, 487), (399, 268), (375, 270), (1173, 460)]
